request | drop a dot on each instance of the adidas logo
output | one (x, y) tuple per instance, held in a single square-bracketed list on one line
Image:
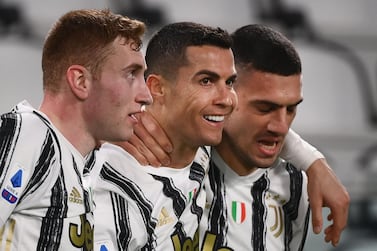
[(75, 196), (207, 205), (164, 218)]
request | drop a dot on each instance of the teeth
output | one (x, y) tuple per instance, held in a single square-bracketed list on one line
[(269, 146), (214, 118)]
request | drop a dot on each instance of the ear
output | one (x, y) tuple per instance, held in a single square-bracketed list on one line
[(79, 80), (156, 85)]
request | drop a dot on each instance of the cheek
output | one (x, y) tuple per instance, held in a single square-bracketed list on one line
[(182, 102), (291, 118), (115, 91), (240, 118), (234, 100), (120, 96), (236, 124)]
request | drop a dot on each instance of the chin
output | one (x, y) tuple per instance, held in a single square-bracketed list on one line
[(213, 142), (266, 163), (126, 135)]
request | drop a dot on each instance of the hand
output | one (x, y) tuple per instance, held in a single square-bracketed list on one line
[(325, 190), (149, 144)]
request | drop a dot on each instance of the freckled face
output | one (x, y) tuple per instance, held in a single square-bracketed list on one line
[(254, 134), (118, 94)]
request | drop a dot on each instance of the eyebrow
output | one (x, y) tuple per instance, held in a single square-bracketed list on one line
[(266, 102), (214, 74), (133, 66)]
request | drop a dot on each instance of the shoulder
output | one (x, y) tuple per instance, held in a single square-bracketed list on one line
[(283, 173), (114, 165), (283, 167), (24, 135), (116, 157)]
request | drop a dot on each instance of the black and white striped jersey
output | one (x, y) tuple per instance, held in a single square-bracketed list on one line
[(45, 201), (267, 210), (147, 208)]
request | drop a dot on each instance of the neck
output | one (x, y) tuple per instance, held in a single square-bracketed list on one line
[(67, 118), (183, 152), (236, 163), (182, 155)]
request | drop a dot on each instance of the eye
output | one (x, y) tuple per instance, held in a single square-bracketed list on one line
[(205, 81), (230, 82), (265, 107), (131, 75), (292, 109)]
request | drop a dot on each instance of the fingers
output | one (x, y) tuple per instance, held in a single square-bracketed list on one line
[(141, 152), (146, 143), (332, 235), (156, 131), (339, 218), (134, 152), (326, 190), (316, 207)]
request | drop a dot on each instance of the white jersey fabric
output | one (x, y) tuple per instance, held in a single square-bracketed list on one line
[(266, 210), (299, 152), (147, 208), (45, 201)]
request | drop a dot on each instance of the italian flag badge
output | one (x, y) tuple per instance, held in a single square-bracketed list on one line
[(192, 194), (238, 211)]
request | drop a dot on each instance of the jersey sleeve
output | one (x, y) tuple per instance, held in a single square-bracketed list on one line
[(19, 141), (299, 152)]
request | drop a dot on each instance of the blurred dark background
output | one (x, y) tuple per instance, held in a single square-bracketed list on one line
[(337, 41)]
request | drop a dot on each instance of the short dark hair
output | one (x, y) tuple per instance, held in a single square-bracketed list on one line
[(166, 51), (265, 49)]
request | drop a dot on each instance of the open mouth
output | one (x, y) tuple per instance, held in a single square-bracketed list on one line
[(214, 118), (133, 116), (268, 145)]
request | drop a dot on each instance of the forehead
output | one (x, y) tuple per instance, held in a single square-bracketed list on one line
[(123, 52), (260, 84), (212, 58)]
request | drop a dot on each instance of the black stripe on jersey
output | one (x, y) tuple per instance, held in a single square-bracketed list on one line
[(52, 224), (170, 191), (42, 167), (87, 199), (292, 206), (90, 161), (9, 133), (197, 173), (204, 149), (259, 213), (217, 221), (306, 227), (131, 189), (121, 219)]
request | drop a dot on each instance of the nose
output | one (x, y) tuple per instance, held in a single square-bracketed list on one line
[(226, 97), (144, 97), (279, 122)]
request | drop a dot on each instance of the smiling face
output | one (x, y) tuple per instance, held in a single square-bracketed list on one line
[(118, 93), (200, 97), (254, 134)]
